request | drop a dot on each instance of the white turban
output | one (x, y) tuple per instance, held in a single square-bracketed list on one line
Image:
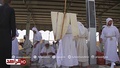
[(107, 20), (35, 29), (81, 28)]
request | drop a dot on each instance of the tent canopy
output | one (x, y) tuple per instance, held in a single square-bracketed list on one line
[(39, 11)]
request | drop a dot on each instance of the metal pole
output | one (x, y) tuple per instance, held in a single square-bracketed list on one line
[(28, 27), (91, 21)]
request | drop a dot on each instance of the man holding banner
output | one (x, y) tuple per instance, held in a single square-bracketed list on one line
[(65, 28)]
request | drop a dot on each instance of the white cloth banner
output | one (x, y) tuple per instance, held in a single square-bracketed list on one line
[(54, 19), (74, 24), (60, 27)]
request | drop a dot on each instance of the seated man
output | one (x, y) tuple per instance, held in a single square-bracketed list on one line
[(46, 55), (27, 47)]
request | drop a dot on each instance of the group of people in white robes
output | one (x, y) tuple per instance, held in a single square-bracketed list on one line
[(70, 46), (72, 50), (26, 49), (36, 49), (42, 52)]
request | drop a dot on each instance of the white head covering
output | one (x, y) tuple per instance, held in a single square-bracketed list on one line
[(107, 20), (81, 28), (35, 29)]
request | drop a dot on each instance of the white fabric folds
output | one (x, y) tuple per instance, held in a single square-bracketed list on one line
[(60, 27)]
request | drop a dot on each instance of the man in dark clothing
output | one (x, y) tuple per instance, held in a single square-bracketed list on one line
[(7, 31)]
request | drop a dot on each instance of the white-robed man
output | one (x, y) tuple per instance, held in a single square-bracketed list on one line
[(67, 52), (47, 52), (110, 35), (82, 49), (15, 44), (36, 44), (27, 47)]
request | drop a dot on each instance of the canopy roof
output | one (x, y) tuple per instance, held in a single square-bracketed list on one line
[(39, 11)]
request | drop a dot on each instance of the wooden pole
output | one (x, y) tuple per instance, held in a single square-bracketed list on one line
[(63, 18)]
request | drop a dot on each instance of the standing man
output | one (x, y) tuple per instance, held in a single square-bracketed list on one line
[(110, 35), (67, 50), (36, 44), (15, 44), (82, 48), (7, 24)]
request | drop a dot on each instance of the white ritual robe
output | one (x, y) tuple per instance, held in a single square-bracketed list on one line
[(37, 49), (110, 44), (15, 50), (47, 60), (26, 48), (66, 54), (82, 49)]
